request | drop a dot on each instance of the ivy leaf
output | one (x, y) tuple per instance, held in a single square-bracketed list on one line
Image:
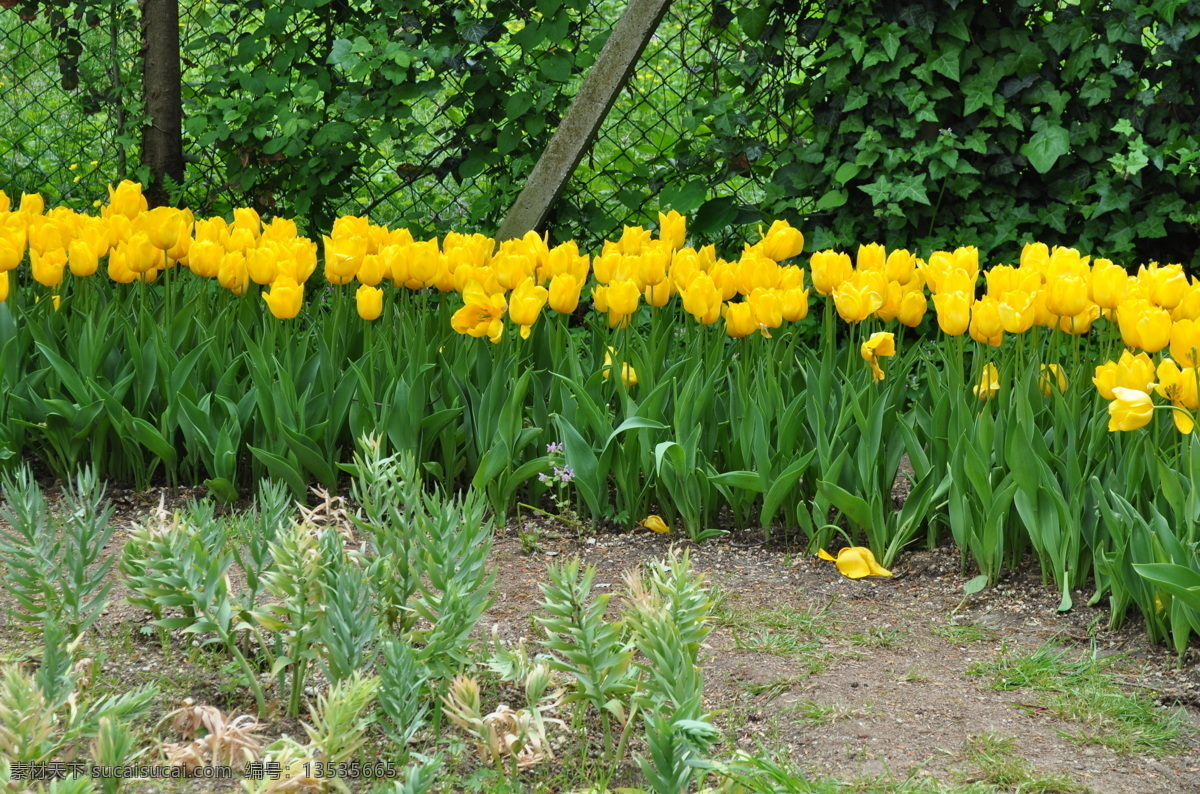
[(714, 215), (833, 199), (879, 190), (1046, 146), (911, 188), (947, 62)]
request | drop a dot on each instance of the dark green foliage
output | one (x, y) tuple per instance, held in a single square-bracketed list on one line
[(941, 122)]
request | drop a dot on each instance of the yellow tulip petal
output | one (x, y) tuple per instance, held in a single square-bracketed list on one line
[(655, 523)]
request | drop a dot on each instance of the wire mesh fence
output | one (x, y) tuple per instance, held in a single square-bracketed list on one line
[(698, 126), (69, 109)]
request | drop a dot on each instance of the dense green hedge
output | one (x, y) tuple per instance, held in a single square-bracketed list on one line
[(943, 122)]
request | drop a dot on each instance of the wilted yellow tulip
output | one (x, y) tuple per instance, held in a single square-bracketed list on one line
[(953, 312), (1129, 410), (880, 344), (1052, 378), (47, 268), (564, 292), (629, 377), (828, 270), (525, 304), (855, 562), (370, 302), (672, 229), (285, 298), (481, 316), (739, 319), (989, 382), (655, 523), (782, 241)]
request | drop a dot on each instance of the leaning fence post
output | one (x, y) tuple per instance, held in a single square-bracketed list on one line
[(578, 129), (162, 137)]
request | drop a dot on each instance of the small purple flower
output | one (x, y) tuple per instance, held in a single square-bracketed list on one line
[(554, 447), (567, 474), (543, 478)]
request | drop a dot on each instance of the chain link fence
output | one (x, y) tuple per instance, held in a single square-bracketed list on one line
[(697, 126), (69, 109)]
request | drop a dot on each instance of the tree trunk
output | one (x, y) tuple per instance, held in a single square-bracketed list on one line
[(162, 138)]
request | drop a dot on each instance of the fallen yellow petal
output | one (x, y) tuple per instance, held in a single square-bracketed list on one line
[(855, 562), (655, 523)]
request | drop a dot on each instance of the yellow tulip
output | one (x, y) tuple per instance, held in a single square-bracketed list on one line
[(5, 202), (655, 523), (855, 562), (767, 307), (828, 270), (1168, 285), (1185, 340), (232, 274), (632, 240), (872, 256), (623, 297), (782, 241), (986, 326), (1109, 283), (126, 200), (204, 258), (164, 225), (1052, 377), (672, 229), (795, 304), (481, 315), (652, 265), (1129, 410), (1016, 311), (1081, 323), (739, 319), (1144, 326), (953, 312), (285, 298), (856, 300), (1066, 295), (32, 204), (1179, 385), (989, 383), (900, 266), (629, 377), (261, 265), (1035, 256), (3, 286), (1131, 372), (141, 255), (525, 305), (564, 292), (880, 344), (343, 257), (47, 268), (702, 300), (370, 302), (117, 270)]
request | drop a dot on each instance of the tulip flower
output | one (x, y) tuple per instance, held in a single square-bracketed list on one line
[(629, 377), (1131, 372), (986, 326), (262, 264), (953, 312), (1035, 255), (1016, 311), (343, 257), (47, 268), (1052, 377), (525, 304), (1066, 295), (126, 200), (989, 383), (767, 308), (795, 304), (880, 344), (1182, 388), (1185, 340), (1168, 285), (564, 292), (232, 275), (1144, 326), (285, 297), (622, 297), (702, 300), (855, 562), (204, 258), (1109, 284), (370, 302), (828, 270), (164, 225), (481, 316), (900, 266), (872, 256), (141, 255), (32, 204), (672, 229), (856, 300), (1130, 410), (782, 241), (3, 286), (655, 523), (5, 202), (913, 305), (739, 319)]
